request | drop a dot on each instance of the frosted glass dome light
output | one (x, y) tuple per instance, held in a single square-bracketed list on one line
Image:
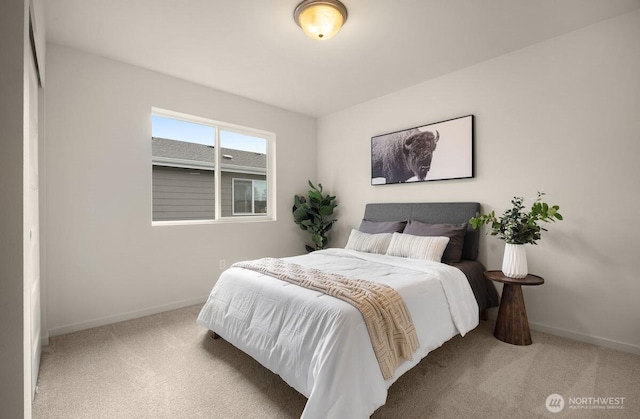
[(320, 19)]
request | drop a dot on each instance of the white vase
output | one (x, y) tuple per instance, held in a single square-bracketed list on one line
[(514, 263)]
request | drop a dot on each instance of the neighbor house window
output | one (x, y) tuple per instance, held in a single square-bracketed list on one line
[(208, 170), (249, 197)]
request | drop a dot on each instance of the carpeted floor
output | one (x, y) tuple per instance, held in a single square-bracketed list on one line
[(166, 366)]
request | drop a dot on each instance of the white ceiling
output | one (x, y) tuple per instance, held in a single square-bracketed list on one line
[(253, 48)]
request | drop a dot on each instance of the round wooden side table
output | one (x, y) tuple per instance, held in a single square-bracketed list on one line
[(512, 325)]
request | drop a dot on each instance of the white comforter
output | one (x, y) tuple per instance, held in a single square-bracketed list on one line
[(320, 345)]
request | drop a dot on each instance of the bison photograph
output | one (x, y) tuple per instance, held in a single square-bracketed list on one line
[(438, 151)]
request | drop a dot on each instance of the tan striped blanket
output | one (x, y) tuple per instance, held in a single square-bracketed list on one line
[(390, 327)]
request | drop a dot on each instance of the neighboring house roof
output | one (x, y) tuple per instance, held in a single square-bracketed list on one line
[(176, 153)]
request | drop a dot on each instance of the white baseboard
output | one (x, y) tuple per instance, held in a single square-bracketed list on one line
[(580, 337), (76, 327), (594, 340)]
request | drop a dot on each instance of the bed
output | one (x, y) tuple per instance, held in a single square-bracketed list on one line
[(320, 345)]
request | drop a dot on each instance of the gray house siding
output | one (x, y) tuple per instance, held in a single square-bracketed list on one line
[(226, 194), (184, 179), (183, 194)]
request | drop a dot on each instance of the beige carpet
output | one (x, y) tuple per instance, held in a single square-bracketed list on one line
[(166, 366)]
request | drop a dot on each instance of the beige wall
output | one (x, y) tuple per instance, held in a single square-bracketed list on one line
[(562, 116), (105, 261), (559, 116)]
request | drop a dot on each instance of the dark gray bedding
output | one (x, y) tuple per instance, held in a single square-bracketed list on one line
[(483, 289)]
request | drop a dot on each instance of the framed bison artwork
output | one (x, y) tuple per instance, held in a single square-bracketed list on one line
[(438, 151)]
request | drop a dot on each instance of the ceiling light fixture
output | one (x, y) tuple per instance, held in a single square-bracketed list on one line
[(320, 19)]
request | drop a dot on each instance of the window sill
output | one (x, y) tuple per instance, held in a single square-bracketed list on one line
[(228, 220)]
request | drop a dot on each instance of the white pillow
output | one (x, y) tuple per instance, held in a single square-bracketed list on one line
[(417, 247), (370, 243)]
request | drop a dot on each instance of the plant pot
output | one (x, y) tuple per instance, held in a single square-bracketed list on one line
[(514, 263)]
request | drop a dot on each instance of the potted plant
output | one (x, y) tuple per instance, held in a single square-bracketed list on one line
[(517, 227), (315, 215)]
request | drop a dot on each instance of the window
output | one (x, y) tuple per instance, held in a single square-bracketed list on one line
[(206, 170), (249, 197)]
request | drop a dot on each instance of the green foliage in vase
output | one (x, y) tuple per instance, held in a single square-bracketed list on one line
[(315, 215), (518, 226)]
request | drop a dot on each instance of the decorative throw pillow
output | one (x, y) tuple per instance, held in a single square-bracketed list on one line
[(417, 247), (455, 232), (370, 243), (375, 227)]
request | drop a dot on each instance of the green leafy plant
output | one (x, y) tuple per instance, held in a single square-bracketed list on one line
[(518, 226), (315, 215)]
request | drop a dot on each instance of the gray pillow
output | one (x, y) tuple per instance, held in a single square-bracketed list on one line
[(455, 232), (377, 227)]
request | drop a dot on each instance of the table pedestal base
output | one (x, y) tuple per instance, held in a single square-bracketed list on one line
[(512, 325)]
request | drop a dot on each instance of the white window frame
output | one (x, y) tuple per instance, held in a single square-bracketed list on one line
[(218, 126)]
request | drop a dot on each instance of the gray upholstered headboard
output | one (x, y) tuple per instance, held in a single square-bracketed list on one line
[(434, 213)]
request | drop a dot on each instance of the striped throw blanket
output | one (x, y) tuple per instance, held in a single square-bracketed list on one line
[(390, 327)]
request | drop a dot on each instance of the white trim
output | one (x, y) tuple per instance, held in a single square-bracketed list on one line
[(271, 178), (103, 321), (217, 175), (182, 163), (594, 340), (243, 169), (198, 164), (253, 198), (218, 167), (237, 219)]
